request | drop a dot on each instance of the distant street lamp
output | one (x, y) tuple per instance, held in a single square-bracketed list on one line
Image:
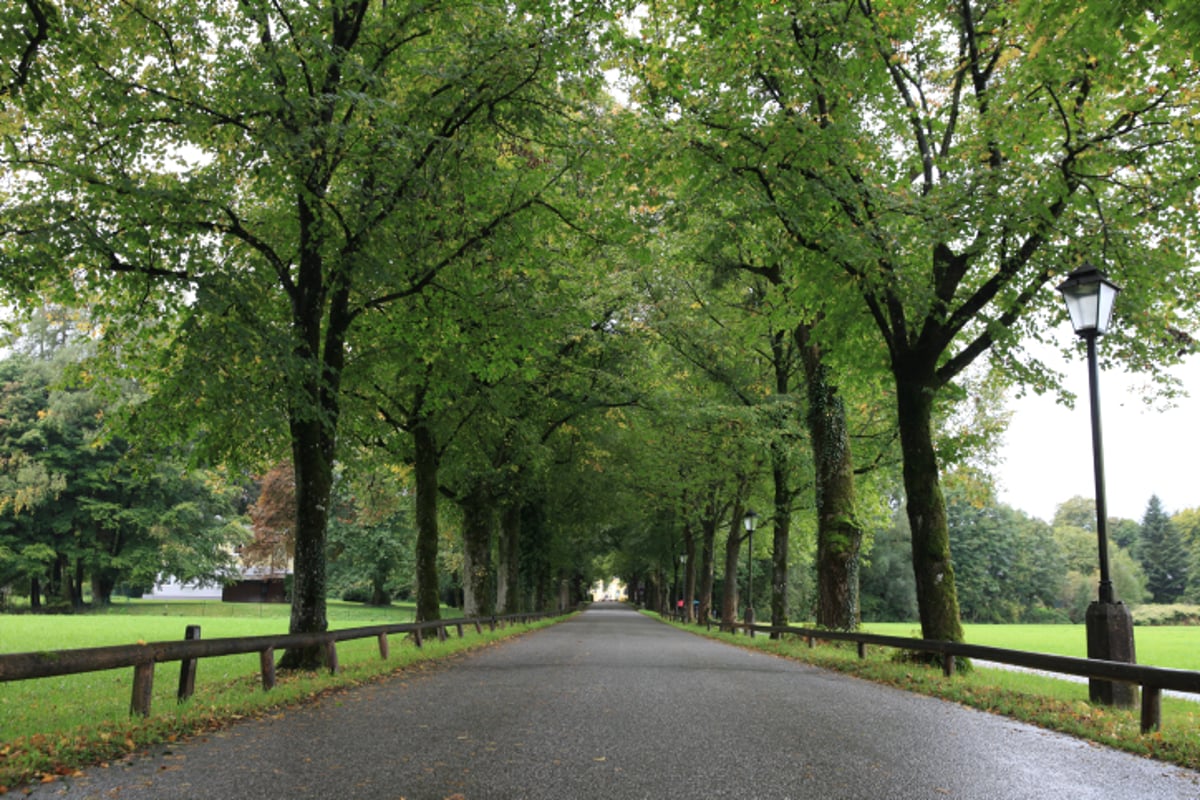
[(1089, 296), (751, 522)]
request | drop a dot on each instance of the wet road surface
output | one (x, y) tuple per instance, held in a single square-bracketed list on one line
[(612, 704)]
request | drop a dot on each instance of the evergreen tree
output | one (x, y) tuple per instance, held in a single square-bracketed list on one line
[(1162, 554)]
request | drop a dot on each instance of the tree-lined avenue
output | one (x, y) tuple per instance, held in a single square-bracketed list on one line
[(612, 704)]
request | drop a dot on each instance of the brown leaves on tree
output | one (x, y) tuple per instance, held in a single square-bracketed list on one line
[(273, 521)]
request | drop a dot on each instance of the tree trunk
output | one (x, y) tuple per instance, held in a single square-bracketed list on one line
[(688, 584), (103, 583), (320, 319), (508, 573), (937, 597), (733, 549), (781, 473), (708, 541), (782, 523), (379, 593), (314, 482), (76, 585), (477, 553), (35, 594), (839, 536), (425, 468)]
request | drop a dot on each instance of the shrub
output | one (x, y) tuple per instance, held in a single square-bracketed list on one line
[(1174, 614)]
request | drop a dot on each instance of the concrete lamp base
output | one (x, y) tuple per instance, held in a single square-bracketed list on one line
[(1110, 638)]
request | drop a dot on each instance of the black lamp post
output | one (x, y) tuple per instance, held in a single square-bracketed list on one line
[(1089, 296), (750, 521)]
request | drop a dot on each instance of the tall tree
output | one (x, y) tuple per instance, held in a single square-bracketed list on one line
[(1163, 554), (77, 503), (943, 165), (242, 183)]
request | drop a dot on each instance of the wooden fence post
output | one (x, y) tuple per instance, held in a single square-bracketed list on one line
[(1151, 708), (187, 667), (417, 636), (331, 656), (383, 646), (266, 663), (143, 688)]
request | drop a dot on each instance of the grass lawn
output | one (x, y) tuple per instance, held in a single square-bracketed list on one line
[(1174, 646), (53, 726)]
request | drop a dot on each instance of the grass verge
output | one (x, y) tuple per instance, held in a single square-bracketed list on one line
[(43, 738), (1050, 703)]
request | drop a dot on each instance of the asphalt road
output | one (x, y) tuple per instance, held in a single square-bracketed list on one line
[(616, 705)]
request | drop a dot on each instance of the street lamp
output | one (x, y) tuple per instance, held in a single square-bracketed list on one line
[(751, 522), (1089, 296)]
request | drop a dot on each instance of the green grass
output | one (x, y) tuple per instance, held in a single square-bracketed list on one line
[(1051, 703), (54, 726), (1177, 647)]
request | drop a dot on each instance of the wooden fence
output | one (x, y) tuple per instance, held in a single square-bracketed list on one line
[(1152, 680), (143, 657)]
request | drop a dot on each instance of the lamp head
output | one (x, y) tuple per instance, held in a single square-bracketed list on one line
[(1089, 295)]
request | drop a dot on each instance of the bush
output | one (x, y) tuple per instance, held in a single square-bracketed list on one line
[(357, 594), (1174, 614)]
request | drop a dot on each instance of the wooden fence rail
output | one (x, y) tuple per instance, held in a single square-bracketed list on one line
[(143, 657), (1152, 680)]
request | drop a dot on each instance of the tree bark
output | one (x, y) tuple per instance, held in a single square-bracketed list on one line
[(937, 597), (425, 468), (508, 572), (839, 536), (320, 320), (781, 473), (478, 518), (708, 539), (733, 549), (103, 583), (782, 524), (314, 482), (688, 582)]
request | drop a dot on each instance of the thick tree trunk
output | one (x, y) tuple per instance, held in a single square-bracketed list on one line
[(314, 482), (937, 596), (733, 549), (425, 468), (320, 320), (781, 473), (35, 594), (478, 516), (839, 536), (782, 524), (103, 584), (508, 571)]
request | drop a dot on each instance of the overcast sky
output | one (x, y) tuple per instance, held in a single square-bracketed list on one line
[(1148, 450)]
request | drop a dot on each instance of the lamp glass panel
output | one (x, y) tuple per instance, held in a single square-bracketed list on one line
[(1083, 304), (1107, 293)]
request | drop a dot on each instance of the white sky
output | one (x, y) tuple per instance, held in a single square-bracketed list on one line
[(1148, 450)]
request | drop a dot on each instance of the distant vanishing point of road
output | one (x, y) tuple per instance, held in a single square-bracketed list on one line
[(611, 705)]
